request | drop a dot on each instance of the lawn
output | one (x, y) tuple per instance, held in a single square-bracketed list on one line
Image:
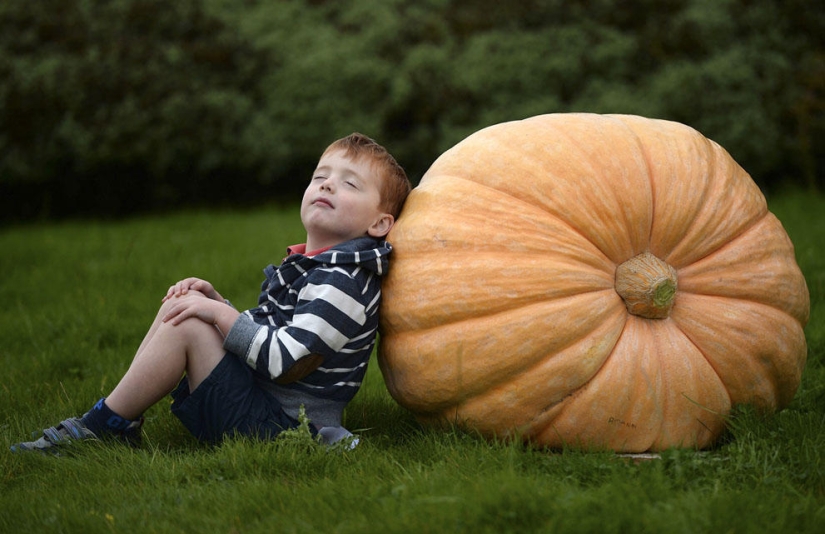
[(76, 300)]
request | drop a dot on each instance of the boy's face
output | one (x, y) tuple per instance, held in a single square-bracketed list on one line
[(342, 202)]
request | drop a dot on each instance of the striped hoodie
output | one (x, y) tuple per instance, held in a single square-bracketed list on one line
[(325, 305)]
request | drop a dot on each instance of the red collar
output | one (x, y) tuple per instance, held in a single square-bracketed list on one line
[(301, 249)]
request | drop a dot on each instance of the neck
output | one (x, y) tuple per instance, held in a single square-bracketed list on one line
[(317, 243)]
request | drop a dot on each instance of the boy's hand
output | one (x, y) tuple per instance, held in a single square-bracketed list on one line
[(206, 310), (196, 284)]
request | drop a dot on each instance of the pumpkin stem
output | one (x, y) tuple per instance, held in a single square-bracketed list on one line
[(647, 285)]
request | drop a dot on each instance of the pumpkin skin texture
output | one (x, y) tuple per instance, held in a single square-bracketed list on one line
[(502, 311)]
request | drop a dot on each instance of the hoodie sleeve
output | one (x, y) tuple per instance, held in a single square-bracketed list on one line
[(332, 309)]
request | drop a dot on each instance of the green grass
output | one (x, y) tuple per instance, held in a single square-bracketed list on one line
[(77, 298)]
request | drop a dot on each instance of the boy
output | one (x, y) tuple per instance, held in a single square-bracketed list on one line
[(306, 344)]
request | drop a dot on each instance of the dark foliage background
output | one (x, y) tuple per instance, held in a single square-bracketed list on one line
[(112, 107)]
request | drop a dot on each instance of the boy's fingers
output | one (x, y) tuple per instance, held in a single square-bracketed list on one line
[(180, 312), (169, 292), (173, 312), (184, 286)]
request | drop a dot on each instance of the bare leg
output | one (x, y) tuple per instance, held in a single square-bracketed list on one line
[(158, 321), (167, 351)]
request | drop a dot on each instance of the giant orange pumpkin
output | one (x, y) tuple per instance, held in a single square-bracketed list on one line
[(591, 281)]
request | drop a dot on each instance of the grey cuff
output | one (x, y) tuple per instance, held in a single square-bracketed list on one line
[(241, 335)]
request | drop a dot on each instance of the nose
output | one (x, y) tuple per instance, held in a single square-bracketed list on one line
[(326, 185)]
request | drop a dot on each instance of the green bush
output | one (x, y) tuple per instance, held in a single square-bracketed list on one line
[(111, 107), (120, 105)]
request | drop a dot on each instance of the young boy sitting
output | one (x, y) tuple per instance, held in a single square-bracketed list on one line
[(306, 344)]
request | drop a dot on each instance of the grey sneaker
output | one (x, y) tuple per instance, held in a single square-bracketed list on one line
[(71, 430)]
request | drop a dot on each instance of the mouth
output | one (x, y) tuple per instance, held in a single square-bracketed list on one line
[(323, 202)]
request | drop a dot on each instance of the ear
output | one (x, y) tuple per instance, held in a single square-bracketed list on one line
[(381, 226)]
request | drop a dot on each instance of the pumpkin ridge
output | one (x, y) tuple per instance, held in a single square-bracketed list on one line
[(742, 231), (711, 157), (478, 315), (466, 367), (449, 176), (540, 229), (534, 207), (588, 215), (604, 178), (671, 382), (573, 392), (757, 352), (595, 260), (733, 176), (568, 354), (562, 416), (560, 349), (742, 299), (532, 286), (709, 360), (645, 151), (772, 282), (722, 171), (652, 429)]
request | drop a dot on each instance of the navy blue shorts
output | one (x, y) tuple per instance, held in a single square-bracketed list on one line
[(229, 401)]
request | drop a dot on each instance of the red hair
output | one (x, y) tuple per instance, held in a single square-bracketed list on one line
[(395, 184)]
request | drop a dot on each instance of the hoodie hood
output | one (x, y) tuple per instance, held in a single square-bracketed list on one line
[(365, 252)]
